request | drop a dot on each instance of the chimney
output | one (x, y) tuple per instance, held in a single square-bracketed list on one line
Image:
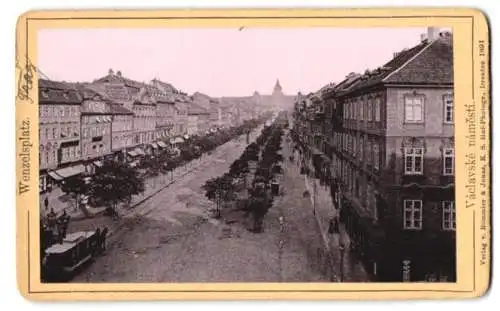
[(111, 72), (446, 37), (423, 38), (432, 33)]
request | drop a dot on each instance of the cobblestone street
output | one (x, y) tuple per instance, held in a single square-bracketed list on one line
[(172, 238)]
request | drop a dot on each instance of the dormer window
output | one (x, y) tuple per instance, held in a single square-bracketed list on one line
[(319, 109), (44, 94)]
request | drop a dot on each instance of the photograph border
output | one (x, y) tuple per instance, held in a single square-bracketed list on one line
[(478, 278)]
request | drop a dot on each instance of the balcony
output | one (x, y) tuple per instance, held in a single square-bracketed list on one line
[(418, 179)]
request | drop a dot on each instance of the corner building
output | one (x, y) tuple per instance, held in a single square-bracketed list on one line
[(393, 163)]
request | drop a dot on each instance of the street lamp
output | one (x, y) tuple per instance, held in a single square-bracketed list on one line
[(342, 250)]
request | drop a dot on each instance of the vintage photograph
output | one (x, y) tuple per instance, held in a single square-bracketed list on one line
[(246, 154)]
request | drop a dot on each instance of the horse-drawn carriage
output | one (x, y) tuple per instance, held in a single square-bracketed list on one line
[(61, 260)]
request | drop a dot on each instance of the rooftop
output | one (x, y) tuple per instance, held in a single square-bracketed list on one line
[(57, 93), (428, 63)]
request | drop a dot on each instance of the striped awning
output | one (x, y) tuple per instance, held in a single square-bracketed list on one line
[(139, 151), (132, 153), (54, 175), (98, 163), (162, 144), (154, 145), (71, 171)]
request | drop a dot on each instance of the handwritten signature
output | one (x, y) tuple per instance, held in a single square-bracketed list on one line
[(25, 82)]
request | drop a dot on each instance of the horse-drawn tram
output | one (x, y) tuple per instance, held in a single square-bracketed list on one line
[(62, 260)]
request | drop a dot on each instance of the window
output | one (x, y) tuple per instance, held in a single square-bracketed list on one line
[(377, 109), (361, 110), (42, 156), (369, 151), (54, 134), (65, 155), (47, 134), (361, 148), (449, 215), (376, 156), (370, 110), (448, 161), (412, 214), (448, 109), (414, 108), (414, 158)]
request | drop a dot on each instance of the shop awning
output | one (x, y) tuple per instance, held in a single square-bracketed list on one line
[(70, 171), (186, 136), (139, 151), (154, 145), (54, 175), (177, 140), (316, 151), (325, 158), (132, 153), (162, 144), (98, 163)]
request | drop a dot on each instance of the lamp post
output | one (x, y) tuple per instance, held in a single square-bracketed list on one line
[(314, 197), (342, 250)]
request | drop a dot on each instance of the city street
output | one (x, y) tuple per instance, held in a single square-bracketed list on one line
[(172, 238)]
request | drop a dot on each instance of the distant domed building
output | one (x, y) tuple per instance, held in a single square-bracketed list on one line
[(279, 100)]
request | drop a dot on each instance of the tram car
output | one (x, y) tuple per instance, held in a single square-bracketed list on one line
[(62, 260)]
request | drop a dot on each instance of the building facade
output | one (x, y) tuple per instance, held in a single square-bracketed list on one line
[(387, 140), (96, 129), (122, 128), (59, 130), (198, 119), (165, 117), (144, 121), (181, 121)]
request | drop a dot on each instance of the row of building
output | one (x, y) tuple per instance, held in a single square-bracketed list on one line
[(384, 140), (80, 123)]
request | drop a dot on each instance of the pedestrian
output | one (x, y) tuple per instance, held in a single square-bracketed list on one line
[(46, 203)]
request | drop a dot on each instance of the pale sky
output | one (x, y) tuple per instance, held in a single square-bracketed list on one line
[(221, 62)]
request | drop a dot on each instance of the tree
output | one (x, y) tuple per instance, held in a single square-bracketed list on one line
[(76, 186), (151, 165), (251, 152), (116, 183), (187, 154), (238, 168), (220, 190), (258, 206)]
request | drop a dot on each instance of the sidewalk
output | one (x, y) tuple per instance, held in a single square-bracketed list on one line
[(353, 271), (58, 201), (302, 253)]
